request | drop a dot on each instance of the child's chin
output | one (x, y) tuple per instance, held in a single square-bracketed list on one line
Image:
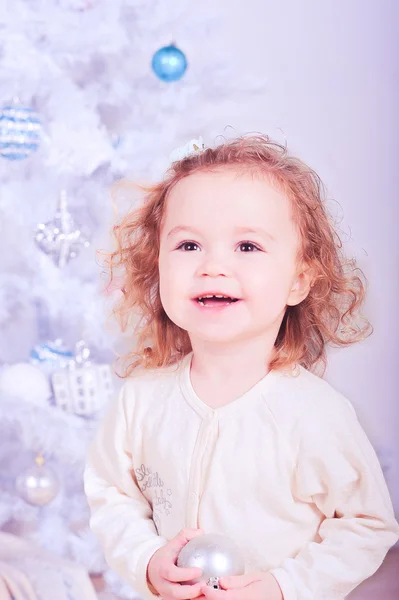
[(215, 337)]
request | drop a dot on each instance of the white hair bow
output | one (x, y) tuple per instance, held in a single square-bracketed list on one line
[(192, 147)]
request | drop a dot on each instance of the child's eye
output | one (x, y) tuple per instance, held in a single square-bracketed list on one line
[(188, 247), (248, 247)]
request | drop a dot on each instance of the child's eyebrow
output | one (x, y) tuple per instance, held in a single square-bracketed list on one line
[(255, 230), (241, 230), (183, 229)]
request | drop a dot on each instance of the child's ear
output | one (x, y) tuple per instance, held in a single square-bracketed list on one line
[(301, 286)]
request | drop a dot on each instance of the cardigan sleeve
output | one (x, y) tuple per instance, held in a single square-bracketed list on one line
[(121, 516), (338, 471)]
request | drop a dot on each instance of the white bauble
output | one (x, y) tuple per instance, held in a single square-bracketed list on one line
[(215, 554), (25, 382), (38, 485)]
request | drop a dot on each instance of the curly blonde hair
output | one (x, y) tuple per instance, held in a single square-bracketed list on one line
[(328, 315)]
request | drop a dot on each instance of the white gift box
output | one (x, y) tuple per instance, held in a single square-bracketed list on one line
[(83, 390)]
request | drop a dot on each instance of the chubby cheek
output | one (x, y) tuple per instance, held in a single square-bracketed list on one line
[(171, 290), (269, 288), (166, 288)]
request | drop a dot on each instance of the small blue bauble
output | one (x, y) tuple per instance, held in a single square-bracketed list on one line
[(20, 132), (169, 63)]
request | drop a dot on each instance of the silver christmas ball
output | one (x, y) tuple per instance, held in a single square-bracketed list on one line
[(217, 556), (38, 485)]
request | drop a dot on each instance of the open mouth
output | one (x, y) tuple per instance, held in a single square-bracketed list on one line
[(215, 300)]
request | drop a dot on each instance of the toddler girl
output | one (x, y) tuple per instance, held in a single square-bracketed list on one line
[(224, 424)]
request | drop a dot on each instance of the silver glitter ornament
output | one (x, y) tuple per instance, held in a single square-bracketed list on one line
[(215, 554), (38, 485), (60, 238)]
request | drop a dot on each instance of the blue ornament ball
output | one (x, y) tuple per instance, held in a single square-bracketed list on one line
[(20, 132), (169, 63), (51, 355)]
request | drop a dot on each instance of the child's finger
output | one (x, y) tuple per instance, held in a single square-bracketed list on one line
[(187, 573), (179, 574), (211, 594), (183, 592), (237, 581), (233, 594), (184, 536)]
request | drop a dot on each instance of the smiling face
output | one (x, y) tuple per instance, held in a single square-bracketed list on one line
[(228, 257)]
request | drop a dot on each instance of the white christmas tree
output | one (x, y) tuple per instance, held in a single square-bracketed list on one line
[(84, 67)]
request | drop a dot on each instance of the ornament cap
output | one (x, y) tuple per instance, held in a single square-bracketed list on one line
[(39, 460)]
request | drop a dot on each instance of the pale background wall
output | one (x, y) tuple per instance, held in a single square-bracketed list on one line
[(331, 68)]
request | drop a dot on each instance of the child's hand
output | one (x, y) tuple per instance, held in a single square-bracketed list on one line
[(254, 586), (165, 577)]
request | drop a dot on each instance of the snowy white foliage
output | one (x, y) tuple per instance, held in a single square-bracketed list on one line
[(84, 66)]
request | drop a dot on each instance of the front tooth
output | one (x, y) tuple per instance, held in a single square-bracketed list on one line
[(217, 296)]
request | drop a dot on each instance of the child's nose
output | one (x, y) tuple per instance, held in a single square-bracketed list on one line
[(214, 265)]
